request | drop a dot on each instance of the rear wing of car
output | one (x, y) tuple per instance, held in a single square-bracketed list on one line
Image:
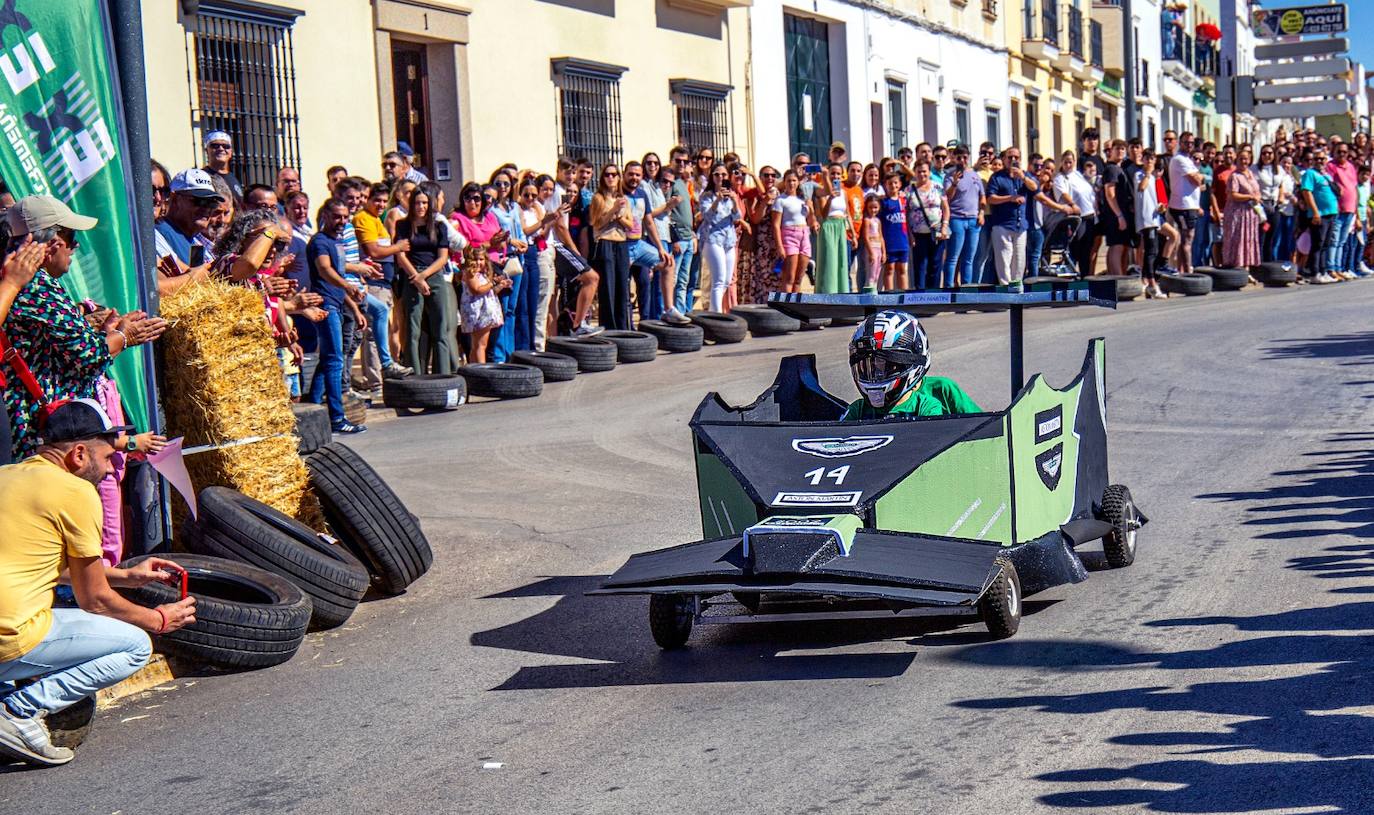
[(969, 298)]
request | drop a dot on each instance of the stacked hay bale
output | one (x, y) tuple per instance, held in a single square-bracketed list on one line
[(222, 385)]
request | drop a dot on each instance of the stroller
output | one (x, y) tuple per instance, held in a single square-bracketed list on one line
[(1055, 258)]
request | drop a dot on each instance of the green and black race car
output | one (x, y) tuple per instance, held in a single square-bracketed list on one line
[(808, 517)]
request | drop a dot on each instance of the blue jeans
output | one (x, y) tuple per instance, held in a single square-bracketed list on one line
[(644, 258), (503, 339), (1202, 240), (1035, 242), (1332, 257), (1343, 240), (1281, 247), (527, 310), (960, 250), (327, 386), (924, 271), (378, 315), (685, 286), (82, 653)]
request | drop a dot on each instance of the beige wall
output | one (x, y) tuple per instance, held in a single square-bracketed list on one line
[(336, 79), (513, 101)]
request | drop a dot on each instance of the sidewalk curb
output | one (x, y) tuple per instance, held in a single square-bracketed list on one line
[(157, 672)]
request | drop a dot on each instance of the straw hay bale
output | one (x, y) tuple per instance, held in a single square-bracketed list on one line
[(221, 384)]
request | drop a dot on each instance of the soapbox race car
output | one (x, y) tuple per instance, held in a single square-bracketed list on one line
[(808, 517)]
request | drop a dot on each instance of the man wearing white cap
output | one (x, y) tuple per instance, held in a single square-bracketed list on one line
[(48, 330), (219, 151)]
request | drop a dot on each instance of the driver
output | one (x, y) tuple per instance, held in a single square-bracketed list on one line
[(889, 355)]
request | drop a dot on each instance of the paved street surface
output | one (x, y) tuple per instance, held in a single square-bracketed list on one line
[(1226, 671)]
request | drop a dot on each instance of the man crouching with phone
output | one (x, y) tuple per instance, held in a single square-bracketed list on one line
[(50, 532)]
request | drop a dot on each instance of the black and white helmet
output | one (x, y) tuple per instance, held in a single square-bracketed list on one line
[(889, 354)]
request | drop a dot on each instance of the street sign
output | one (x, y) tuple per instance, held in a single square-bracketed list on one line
[(1290, 22), (1300, 70), (1294, 90), (1244, 93), (1301, 110), (1302, 48)]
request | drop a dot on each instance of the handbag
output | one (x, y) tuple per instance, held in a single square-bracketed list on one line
[(513, 267)]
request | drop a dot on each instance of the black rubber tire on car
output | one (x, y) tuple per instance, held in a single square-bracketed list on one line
[(676, 339), (425, 392), (233, 526), (1225, 279), (1128, 287), (1000, 605), (592, 353), (1118, 509), (503, 380), (312, 426), (765, 321), (71, 725), (670, 620), (1275, 273), (633, 346), (1192, 284), (246, 617), (720, 328), (369, 518), (556, 367)]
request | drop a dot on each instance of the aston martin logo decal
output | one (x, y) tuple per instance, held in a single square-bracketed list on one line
[(840, 448), (1048, 465)]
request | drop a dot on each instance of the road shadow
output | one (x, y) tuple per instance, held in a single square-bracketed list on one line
[(1353, 349), (1290, 742), (614, 632)]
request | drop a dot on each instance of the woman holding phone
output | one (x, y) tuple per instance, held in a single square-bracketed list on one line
[(792, 223), (836, 234)]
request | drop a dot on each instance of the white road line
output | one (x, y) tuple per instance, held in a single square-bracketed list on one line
[(1000, 509), (977, 502)]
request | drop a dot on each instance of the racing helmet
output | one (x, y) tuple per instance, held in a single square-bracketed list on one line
[(888, 354)]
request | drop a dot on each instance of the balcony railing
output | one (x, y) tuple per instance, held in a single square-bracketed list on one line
[(1075, 31), (1049, 22), (1200, 57), (1095, 43)]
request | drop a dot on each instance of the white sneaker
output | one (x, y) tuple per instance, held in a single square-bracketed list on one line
[(675, 317), (28, 739), (1323, 278)]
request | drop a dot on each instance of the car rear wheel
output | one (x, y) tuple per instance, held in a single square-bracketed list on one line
[(1119, 510), (670, 619), (1000, 605)]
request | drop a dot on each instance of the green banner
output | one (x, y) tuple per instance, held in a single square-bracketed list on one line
[(60, 124)]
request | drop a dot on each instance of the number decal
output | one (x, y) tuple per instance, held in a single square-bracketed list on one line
[(837, 475)]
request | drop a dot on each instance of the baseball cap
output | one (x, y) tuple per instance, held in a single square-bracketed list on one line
[(837, 145), (36, 212), (195, 183), (405, 149), (218, 135), (78, 419)]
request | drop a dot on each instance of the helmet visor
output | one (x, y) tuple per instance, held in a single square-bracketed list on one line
[(881, 365)]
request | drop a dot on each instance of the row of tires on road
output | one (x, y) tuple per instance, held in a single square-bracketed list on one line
[(1202, 280), (261, 578), (566, 357)]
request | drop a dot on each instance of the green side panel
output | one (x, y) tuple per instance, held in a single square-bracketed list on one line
[(1044, 500), (726, 509), (963, 492)]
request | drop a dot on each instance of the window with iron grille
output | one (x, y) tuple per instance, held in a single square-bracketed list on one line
[(588, 110), (963, 122), (244, 83), (896, 116), (993, 120), (703, 115)]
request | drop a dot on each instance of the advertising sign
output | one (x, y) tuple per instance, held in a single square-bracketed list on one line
[(1291, 22)]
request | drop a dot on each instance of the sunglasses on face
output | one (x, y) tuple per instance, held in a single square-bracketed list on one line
[(651, 164), (470, 198), (206, 203), (218, 147), (610, 175), (768, 175), (679, 161)]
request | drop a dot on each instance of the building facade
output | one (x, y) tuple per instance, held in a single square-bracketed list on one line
[(1054, 75), (1145, 40), (468, 85)]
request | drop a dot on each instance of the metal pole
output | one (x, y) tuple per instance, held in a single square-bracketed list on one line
[(1018, 362), (1128, 62)]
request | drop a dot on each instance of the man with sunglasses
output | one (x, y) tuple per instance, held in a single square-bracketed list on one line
[(189, 210), (889, 355), (219, 152)]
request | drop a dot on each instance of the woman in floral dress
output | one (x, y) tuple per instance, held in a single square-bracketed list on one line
[(761, 280), (1240, 247)]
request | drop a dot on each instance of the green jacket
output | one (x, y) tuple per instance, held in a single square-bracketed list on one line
[(935, 396)]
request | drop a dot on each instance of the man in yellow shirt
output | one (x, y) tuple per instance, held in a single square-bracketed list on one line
[(50, 531)]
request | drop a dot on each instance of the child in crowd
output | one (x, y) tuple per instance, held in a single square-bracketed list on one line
[(873, 239), (895, 240), (480, 309)]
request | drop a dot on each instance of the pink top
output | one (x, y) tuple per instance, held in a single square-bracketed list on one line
[(480, 231), (873, 232), (1346, 184)]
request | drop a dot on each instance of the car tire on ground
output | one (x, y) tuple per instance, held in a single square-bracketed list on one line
[(246, 617), (425, 392), (1128, 287), (233, 526), (675, 339), (1000, 605), (1118, 509), (369, 518), (503, 380), (1191, 284), (765, 321), (721, 328), (355, 409), (816, 324), (1275, 273), (592, 353), (1225, 279), (670, 619), (633, 346), (556, 367), (312, 426)]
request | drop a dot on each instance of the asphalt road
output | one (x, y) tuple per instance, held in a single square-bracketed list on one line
[(1226, 671)]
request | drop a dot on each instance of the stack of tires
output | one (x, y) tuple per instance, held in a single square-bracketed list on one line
[(1191, 284), (1225, 279), (262, 579), (764, 321)]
